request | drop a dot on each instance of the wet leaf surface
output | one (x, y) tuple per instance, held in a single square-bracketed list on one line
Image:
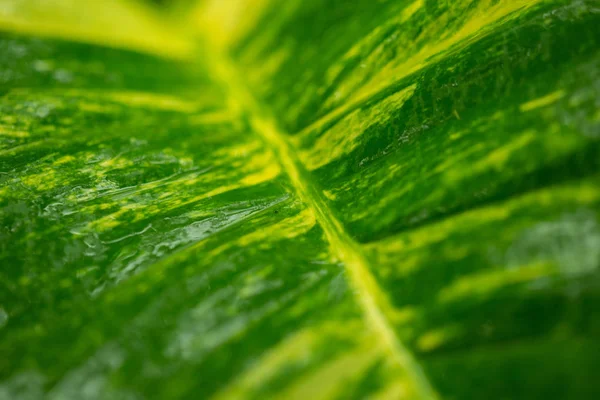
[(300, 200)]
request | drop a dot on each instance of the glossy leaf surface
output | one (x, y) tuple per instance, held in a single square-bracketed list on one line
[(300, 199)]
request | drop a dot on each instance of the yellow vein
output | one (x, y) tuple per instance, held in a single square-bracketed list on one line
[(369, 294)]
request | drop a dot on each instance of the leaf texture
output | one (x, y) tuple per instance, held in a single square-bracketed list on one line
[(300, 199)]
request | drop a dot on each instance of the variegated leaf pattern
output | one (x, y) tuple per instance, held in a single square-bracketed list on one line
[(237, 199)]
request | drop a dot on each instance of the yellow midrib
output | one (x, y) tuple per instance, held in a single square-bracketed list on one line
[(370, 296), (149, 35)]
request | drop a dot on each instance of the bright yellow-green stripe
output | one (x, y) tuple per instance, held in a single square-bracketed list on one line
[(373, 301), (123, 24)]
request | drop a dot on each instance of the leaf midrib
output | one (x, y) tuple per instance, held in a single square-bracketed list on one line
[(370, 296)]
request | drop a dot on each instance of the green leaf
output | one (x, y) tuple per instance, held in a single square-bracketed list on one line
[(300, 199)]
